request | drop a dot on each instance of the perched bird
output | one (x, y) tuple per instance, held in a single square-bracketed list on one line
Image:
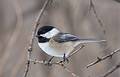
[(56, 43)]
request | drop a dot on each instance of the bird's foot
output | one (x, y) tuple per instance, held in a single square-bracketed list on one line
[(65, 59)]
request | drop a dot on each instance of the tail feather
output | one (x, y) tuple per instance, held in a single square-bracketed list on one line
[(83, 41), (91, 41)]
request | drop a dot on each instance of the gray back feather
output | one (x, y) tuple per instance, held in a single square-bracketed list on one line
[(65, 37)]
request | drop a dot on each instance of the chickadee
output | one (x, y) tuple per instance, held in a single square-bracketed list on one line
[(56, 43)]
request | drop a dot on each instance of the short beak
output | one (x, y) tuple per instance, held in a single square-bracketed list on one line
[(37, 35)]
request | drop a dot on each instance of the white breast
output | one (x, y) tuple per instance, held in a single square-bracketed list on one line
[(51, 51)]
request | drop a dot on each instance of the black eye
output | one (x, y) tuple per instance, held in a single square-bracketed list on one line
[(44, 29), (42, 39)]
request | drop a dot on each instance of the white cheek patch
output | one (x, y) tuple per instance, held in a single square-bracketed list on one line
[(51, 33)]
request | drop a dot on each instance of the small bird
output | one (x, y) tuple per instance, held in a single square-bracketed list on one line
[(56, 43)]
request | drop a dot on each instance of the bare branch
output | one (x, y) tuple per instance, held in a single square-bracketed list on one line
[(54, 63), (92, 6), (114, 68), (73, 74), (103, 58), (74, 52), (33, 34)]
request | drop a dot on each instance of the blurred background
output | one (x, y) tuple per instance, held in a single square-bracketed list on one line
[(16, 24)]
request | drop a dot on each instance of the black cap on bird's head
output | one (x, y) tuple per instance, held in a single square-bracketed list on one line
[(44, 29), (41, 31), (44, 33)]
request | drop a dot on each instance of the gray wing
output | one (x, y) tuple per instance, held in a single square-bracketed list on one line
[(65, 37)]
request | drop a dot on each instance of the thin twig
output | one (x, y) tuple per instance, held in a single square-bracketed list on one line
[(103, 58), (30, 48), (74, 52), (92, 6), (114, 68), (73, 74), (54, 63)]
